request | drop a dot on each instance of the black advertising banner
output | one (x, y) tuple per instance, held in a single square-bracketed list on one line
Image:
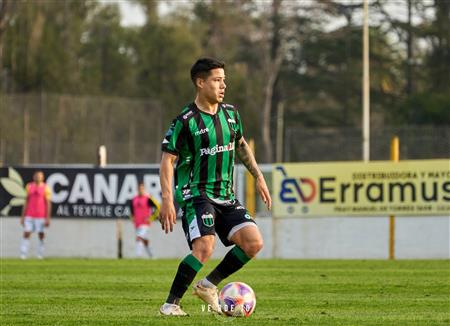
[(79, 192)]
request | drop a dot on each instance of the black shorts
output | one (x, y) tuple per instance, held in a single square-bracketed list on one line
[(203, 216)]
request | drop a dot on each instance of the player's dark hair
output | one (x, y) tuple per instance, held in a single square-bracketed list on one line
[(203, 66)]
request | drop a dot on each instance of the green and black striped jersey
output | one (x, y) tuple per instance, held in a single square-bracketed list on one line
[(204, 144)]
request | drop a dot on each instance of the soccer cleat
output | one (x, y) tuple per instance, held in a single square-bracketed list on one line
[(169, 309), (209, 295)]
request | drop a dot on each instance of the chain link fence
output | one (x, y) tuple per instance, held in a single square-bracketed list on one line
[(344, 144), (49, 128), (56, 129)]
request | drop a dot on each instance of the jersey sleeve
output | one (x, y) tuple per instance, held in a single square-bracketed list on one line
[(173, 141), (240, 131), (155, 208)]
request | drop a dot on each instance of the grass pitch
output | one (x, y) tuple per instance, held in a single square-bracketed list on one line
[(289, 292)]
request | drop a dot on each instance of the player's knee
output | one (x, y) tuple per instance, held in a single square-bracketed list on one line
[(252, 248), (202, 250), (26, 235), (203, 254)]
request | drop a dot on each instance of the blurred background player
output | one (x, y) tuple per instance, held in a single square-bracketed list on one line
[(144, 209), (35, 214)]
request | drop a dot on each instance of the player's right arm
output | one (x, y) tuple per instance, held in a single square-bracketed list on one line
[(167, 213), (24, 208), (22, 217), (171, 145)]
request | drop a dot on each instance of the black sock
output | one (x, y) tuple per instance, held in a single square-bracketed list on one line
[(187, 270), (231, 263)]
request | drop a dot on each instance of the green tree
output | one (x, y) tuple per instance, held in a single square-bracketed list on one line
[(41, 45), (106, 54)]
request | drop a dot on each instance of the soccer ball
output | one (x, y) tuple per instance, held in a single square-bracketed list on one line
[(237, 299)]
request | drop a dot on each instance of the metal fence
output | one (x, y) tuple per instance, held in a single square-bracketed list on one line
[(48, 128), (343, 144)]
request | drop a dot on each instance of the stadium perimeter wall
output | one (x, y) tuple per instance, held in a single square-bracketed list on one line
[(305, 238)]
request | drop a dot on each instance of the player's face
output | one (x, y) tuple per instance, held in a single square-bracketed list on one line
[(213, 87), (141, 189), (38, 177)]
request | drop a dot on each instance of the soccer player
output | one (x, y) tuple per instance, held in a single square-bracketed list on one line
[(203, 140), (144, 209), (35, 214)]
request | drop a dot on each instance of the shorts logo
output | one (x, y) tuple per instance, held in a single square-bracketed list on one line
[(208, 219), (248, 217), (239, 207)]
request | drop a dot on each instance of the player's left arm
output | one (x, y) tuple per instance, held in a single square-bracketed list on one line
[(48, 199), (155, 205), (247, 158)]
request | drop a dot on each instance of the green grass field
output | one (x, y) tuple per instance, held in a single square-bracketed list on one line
[(289, 292)]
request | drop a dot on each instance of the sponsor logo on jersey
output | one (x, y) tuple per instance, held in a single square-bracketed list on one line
[(231, 120), (208, 219), (216, 149), (201, 132)]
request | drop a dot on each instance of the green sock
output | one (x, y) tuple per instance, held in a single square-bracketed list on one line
[(231, 263), (186, 272)]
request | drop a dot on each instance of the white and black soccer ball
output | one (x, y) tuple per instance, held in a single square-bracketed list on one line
[(237, 299)]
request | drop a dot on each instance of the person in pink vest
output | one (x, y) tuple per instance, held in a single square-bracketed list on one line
[(144, 209), (35, 214)]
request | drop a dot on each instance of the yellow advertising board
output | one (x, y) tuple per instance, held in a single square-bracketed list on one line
[(381, 188)]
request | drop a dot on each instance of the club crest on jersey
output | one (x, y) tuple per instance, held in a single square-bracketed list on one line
[(208, 219)]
